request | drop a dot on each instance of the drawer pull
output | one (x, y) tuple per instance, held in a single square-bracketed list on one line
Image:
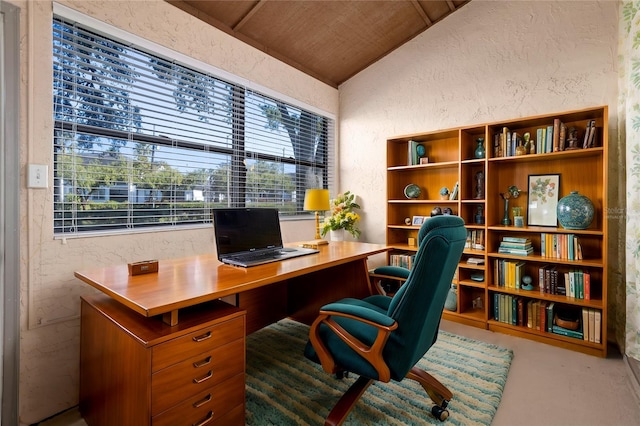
[(204, 378), (203, 401), (202, 363), (205, 420), (202, 337)]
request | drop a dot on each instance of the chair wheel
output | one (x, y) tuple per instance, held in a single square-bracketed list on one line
[(342, 374), (440, 413)]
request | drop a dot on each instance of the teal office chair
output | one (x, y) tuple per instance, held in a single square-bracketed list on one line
[(381, 337)]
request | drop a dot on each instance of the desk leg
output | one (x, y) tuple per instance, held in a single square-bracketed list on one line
[(308, 293)]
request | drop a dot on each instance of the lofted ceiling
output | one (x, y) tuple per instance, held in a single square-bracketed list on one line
[(330, 40)]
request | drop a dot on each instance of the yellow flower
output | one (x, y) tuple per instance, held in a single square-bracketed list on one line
[(342, 215)]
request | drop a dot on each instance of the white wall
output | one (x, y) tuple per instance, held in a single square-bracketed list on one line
[(489, 61), (49, 292)]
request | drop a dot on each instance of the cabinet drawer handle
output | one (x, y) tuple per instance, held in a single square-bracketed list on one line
[(204, 378), (202, 337), (205, 420), (202, 363), (203, 401)]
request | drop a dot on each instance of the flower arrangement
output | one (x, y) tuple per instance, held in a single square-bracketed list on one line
[(343, 215)]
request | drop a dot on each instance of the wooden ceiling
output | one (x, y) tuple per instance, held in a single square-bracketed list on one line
[(329, 40)]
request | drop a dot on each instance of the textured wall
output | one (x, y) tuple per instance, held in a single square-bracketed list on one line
[(49, 292), (489, 61)]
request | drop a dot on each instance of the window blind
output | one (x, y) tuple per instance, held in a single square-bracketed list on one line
[(144, 141)]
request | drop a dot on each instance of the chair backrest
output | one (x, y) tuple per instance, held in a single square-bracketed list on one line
[(417, 306)]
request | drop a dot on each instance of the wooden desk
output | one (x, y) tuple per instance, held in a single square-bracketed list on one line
[(148, 334)]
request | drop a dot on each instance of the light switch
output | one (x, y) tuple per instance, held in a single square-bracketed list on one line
[(38, 176)]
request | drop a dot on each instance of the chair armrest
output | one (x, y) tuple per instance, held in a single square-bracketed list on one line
[(392, 271), (373, 353), (357, 312)]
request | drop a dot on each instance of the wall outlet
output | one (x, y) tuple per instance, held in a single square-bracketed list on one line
[(38, 176)]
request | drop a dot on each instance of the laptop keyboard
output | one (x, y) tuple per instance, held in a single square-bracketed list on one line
[(250, 257)]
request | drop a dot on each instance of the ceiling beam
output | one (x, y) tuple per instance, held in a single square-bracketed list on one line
[(422, 13), (452, 7), (249, 14)]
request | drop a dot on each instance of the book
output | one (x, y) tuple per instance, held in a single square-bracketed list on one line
[(475, 260), (592, 136), (597, 325), (521, 314), (587, 133), (506, 244), (563, 136), (571, 291), (478, 239), (541, 278), (585, 325), (577, 334), (516, 240), (556, 134), (549, 318), (540, 138), (580, 284), (549, 141), (591, 321), (515, 251), (587, 285)]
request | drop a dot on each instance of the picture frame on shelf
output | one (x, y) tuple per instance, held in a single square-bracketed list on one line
[(542, 200), (417, 220)]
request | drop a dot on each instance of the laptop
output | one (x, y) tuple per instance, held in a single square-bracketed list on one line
[(251, 236)]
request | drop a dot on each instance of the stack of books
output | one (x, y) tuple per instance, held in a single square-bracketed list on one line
[(516, 245)]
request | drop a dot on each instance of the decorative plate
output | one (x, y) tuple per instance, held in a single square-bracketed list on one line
[(412, 191)]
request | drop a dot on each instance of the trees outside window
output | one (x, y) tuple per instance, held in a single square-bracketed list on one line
[(143, 141)]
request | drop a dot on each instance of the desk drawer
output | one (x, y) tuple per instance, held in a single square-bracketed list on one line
[(185, 379), (208, 407), (200, 341)]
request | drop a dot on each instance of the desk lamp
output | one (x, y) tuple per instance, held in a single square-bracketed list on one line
[(317, 200)]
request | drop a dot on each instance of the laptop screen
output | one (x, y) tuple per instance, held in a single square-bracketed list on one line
[(242, 230)]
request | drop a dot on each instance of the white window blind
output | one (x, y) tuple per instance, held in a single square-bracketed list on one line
[(142, 140)]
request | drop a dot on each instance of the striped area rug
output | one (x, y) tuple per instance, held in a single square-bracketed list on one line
[(285, 388)]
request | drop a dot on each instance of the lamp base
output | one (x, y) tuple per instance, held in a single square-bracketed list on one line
[(314, 243)]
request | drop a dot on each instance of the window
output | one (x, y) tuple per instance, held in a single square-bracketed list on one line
[(141, 140)]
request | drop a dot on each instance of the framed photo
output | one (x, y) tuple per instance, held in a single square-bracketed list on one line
[(417, 220), (543, 200)]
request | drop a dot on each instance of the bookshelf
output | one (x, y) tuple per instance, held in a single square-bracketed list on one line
[(483, 298)]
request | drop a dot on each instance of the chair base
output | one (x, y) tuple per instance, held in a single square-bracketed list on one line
[(438, 393)]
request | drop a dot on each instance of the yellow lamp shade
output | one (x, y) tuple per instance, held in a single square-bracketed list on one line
[(316, 200)]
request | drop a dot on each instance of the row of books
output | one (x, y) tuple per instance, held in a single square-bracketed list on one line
[(574, 283), (508, 273), (560, 246), (516, 246), (552, 138), (404, 260), (541, 315), (475, 239)]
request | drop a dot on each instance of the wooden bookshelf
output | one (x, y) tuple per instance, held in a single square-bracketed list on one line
[(451, 159)]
